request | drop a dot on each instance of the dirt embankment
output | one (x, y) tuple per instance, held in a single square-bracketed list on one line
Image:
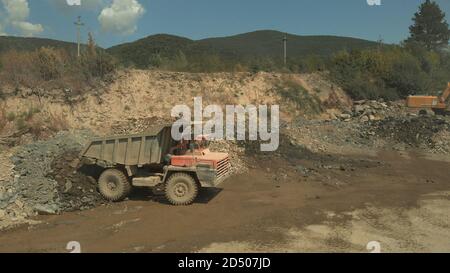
[(139, 94)]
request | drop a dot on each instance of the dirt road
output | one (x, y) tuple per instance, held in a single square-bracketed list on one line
[(401, 201)]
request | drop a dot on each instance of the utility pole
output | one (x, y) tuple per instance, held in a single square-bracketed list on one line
[(380, 43), (285, 49), (79, 24)]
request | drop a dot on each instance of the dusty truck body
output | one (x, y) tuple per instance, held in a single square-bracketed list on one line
[(153, 159)]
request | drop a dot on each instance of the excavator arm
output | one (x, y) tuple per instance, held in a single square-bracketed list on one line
[(446, 95)]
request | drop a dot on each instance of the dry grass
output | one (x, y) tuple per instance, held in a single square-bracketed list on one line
[(39, 122), (46, 123), (33, 69), (57, 121), (17, 68), (50, 68), (219, 96)]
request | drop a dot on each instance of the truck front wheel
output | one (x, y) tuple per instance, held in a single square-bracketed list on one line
[(181, 189), (114, 185)]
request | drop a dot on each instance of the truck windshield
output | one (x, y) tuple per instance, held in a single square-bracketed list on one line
[(199, 144)]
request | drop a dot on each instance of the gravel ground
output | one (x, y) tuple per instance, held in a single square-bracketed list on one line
[(44, 181)]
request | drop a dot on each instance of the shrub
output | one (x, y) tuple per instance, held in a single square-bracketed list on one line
[(11, 116), (407, 76), (50, 63), (29, 113), (21, 124), (96, 64), (390, 73)]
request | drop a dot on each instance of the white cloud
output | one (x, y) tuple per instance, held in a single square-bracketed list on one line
[(2, 31), (121, 16), (2, 21), (28, 29), (17, 10), (17, 13)]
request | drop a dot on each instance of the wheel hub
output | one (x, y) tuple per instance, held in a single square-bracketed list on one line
[(112, 185), (180, 189)]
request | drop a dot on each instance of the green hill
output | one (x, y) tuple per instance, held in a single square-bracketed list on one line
[(264, 46), (140, 52), (29, 44), (269, 43), (260, 50)]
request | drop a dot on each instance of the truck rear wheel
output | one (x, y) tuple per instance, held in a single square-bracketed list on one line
[(423, 113), (181, 189), (114, 185), (439, 112)]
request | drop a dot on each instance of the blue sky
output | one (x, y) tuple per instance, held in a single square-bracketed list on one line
[(118, 21)]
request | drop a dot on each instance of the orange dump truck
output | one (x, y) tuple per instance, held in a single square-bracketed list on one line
[(153, 159), (439, 105)]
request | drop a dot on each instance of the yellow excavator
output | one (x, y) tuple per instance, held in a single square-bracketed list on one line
[(440, 105)]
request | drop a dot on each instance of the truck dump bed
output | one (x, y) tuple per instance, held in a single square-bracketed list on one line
[(130, 150)]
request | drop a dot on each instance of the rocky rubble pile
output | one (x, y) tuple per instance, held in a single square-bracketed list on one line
[(40, 188), (420, 132), (77, 188), (371, 110), (136, 126), (397, 130), (328, 135)]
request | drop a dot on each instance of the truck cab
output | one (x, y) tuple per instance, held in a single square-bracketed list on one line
[(211, 167)]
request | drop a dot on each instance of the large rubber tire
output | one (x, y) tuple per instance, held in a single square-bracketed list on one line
[(439, 112), (114, 185), (181, 189), (423, 113)]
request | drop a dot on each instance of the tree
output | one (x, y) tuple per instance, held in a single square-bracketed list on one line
[(430, 29), (180, 61), (96, 62), (92, 47)]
